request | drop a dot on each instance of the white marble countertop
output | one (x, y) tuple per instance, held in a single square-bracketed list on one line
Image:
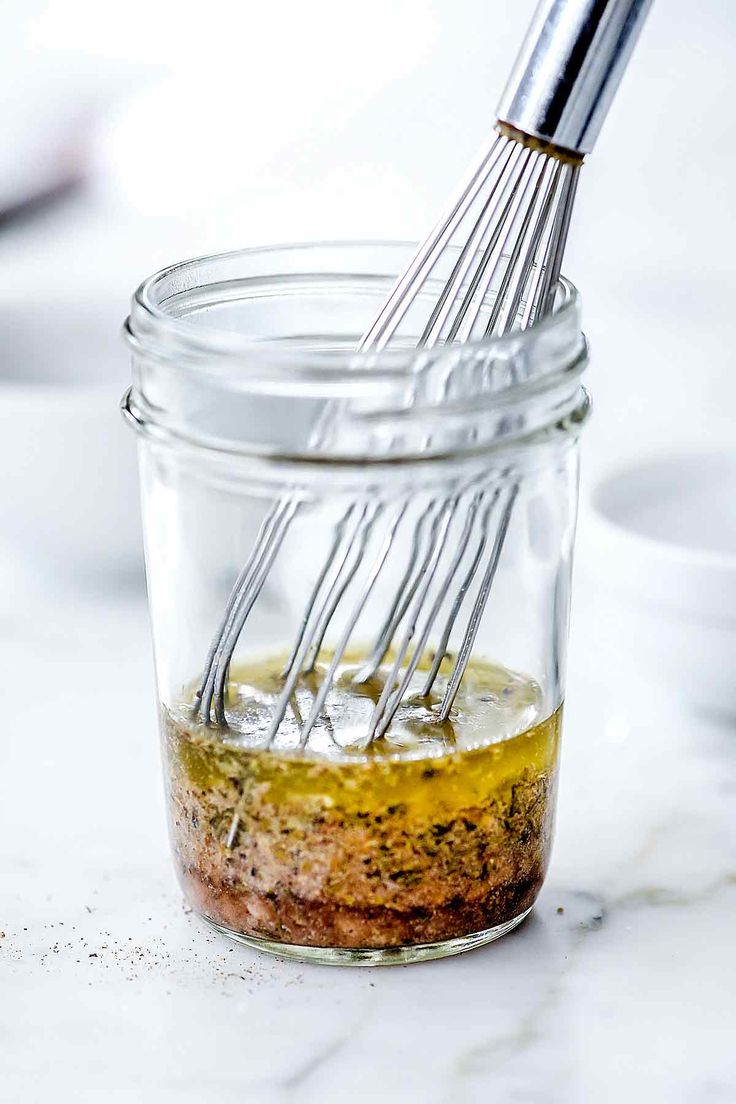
[(619, 987)]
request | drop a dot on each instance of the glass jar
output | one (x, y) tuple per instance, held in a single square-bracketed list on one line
[(439, 488)]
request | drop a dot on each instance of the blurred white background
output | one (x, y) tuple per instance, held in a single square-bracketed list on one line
[(173, 130)]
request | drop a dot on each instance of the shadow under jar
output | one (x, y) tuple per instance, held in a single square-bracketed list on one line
[(449, 469)]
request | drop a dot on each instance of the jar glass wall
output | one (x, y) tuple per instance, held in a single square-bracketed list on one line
[(440, 490)]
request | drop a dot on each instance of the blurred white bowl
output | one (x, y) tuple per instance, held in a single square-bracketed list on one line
[(69, 493), (659, 541)]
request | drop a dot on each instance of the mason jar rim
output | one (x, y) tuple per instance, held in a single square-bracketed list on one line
[(199, 385), (156, 331)]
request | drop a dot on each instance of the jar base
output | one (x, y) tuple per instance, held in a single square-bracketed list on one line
[(371, 956)]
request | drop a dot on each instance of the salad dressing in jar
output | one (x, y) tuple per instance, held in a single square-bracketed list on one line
[(434, 836)]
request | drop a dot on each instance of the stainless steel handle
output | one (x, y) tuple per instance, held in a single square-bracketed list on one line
[(569, 67)]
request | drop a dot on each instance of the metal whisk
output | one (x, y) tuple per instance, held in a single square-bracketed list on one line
[(509, 223)]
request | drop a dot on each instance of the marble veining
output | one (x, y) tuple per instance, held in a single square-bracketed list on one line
[(619, 986)]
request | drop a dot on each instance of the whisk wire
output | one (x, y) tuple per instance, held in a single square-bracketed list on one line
[(533, 258), (440, 528), (504, 310), (357, 551), (441, 649), (491, 261), (430, 251), (512, 167), (342, 644), (440, 598), (404, 593), (335, 584), (336, 542), (479, 606), (264, 552)]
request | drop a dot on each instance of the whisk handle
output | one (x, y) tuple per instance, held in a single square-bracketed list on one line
[(569, 68)]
